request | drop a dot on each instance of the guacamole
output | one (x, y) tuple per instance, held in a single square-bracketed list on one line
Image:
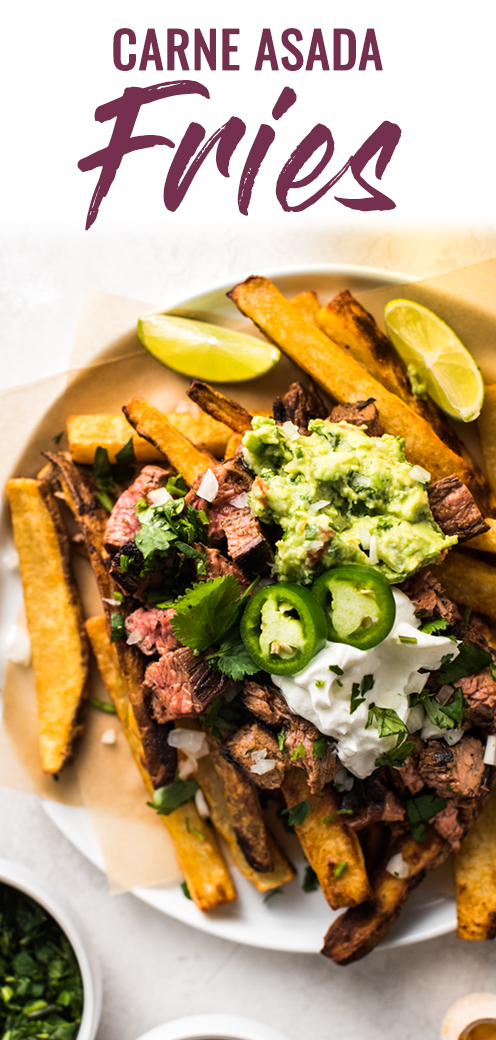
[(340, 496)]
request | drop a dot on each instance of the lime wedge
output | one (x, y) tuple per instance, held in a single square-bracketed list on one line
[(435, 358), (205, 351)]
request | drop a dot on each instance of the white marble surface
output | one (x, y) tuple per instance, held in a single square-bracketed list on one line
[(154, 968)]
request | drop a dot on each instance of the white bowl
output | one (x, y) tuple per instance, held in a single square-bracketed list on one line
[(213, 1027), (41, 891)]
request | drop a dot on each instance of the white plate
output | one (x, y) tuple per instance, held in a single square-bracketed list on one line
[(213, 1027), (295, 921)]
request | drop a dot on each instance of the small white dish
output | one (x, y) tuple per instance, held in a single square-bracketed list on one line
[(213, 1027), (25, 880)]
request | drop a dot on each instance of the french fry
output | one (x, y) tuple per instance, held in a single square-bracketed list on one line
[(244, 811), (86, 433), (346, 380), (204, 432), (149, 422), (219, 406), (308, 305), (58, 639), (328, 845), (487, 429), (213, 788), (469, 581), (485, 542), (207, 877), (475, 877), (360, 928), (233, 445)]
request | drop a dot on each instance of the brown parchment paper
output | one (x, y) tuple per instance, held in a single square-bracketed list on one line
[(108, 366)]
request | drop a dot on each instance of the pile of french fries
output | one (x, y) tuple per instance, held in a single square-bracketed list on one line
[(342, 349)]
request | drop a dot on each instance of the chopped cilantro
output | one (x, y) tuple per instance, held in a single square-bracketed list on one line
[(337, 812), (232, 658), (124, 562), (223, 715), (281, 740), (408, 639), (446, 716), (298, 753), (297, 813), (419, 811), (250, 750), (205, 613), (170, 528), (341, 867), (166, 799), (58, 437), (471, 659), (336, 669), (320, 682), (356, 699), (104, 480), (436, 625), (387, 720), (194, 830), (398, 755), (319, 747), (117, 627), (185, 890), (102, 705), (126, 456), (310, 881)]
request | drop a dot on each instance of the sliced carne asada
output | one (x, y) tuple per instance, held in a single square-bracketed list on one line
[(456, 771), (246, 543), (244, 811), (298, 405), (268, 704), (246, 748), (158, 757), (429, 598), (217, 566), (371, 801), (130, 577), (123, 523), (233, 479), (480, 693), (406, 778), (448, 825), (182, 684), (454, 509), (150, 630), (361, 413)]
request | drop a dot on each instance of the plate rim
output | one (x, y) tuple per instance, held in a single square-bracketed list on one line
[(204, 924)]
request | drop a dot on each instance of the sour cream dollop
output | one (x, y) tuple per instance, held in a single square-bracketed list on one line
[(323, 697)]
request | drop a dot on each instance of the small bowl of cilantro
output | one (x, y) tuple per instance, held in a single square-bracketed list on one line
[(50, 983)]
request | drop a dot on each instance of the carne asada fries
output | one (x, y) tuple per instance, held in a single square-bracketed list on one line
[(346, 688), (54, 617), (475, 877)]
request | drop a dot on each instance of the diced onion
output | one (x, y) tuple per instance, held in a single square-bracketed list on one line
[(316, 544), (490, 752), (112, 602), (17, 645), (257, 756), (108, 737), (415, 718), (321, 504), (443, 695), (133, 637), (344, 780), (201, 804), (419, 473), (240, 501), (209, 486), (452, 736), (364, 537), (264, 766), (159, 497), (397, 866), (190, 740), (292, 432), (373, 557)]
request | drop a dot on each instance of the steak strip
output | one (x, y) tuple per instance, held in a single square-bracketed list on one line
[(299, 405), (454, 509), (362, 413), (182, 684)]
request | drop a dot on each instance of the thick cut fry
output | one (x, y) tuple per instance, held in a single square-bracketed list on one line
[(233, 445), (345, 379), (475, 877), (86, 433), (204, 432), (308, 305), (155, 426), (159, 758), (487, 429), (219, 406), (58, 640), (244, 811), (485, 542), (360, 928), (207, 877), (213, 788), (469, 581), (328, 846)]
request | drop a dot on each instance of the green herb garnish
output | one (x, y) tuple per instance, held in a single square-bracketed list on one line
[(310, 880), (319, 747), (117, 627), (398, 755), (387, 720), (436, 625), (298, 753), (341, 867), (471, 659), (281, 740), (419, 811), (297, 813), (185, 890), (102, 705), (58, 437)]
